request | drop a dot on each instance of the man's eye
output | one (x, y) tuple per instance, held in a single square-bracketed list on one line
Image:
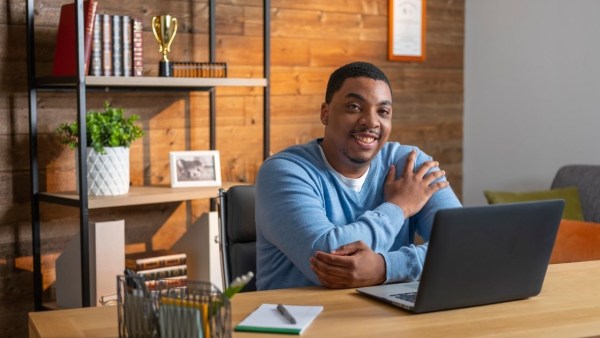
[(385, 112), (353, 107)]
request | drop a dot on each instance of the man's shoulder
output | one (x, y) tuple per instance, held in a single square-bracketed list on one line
[(297, 166), (303, 153), (395, 150), (294, 157)]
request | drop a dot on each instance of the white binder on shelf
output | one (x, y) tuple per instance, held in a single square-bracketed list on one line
[(107, 260), (201, 245)]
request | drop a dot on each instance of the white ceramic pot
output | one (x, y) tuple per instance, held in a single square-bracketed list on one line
[(108, 174)]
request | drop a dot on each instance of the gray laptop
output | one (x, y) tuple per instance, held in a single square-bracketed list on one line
[(480, 255)]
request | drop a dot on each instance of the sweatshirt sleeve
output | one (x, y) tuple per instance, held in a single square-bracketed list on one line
[(406, 263)]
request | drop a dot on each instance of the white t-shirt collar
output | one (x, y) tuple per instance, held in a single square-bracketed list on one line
[(355, 184)]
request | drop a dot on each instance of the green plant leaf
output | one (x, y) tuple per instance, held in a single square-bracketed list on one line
[(108, 128)]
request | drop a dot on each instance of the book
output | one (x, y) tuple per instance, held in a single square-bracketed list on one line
[(164, 272), (138, 56), (169, 282), (96, 62), (154, 259), (65, 60), (199, 69), (266, 318), (117, 47), (127, 33), (106, 45)]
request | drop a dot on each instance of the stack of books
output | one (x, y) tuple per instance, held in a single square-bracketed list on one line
[(165, 265), (117, 46), (112, 43), (199, 69)]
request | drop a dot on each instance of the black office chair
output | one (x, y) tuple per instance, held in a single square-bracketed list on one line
[(587, 180), (237, 232)]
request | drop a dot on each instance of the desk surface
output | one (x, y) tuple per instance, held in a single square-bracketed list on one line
[(569, 305)]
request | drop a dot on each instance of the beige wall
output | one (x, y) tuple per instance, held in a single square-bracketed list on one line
[(309, 40), (538, 105)]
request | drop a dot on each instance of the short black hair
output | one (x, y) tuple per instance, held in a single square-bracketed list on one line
[(351, 70)]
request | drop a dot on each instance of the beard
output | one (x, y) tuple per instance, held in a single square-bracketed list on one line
[(361, 158), (356, 160)]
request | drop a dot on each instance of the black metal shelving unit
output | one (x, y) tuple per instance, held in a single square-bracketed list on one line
[(81, 84)]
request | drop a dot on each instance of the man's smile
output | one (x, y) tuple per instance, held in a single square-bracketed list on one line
[(366, 138)]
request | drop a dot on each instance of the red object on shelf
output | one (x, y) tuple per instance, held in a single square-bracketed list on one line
[(65, 63)]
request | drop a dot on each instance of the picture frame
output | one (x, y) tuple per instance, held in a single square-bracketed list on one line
[(201, 168), (406, 30)]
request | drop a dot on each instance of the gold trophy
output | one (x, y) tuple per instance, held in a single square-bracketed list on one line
[(164, 28)]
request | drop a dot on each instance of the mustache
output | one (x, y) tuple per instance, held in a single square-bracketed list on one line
[(374, 132)]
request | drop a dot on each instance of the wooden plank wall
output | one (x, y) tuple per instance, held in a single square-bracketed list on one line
[(309, 40)]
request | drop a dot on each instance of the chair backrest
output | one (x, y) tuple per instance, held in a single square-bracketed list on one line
[(237, 233), (587, 180)]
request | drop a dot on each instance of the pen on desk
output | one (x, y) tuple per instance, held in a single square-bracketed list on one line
[(284, 312)]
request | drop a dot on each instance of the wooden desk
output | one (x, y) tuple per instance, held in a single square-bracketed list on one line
[(569, 305)]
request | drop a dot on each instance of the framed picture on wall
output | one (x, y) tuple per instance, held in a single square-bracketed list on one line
[(195, 168), (406, 30)]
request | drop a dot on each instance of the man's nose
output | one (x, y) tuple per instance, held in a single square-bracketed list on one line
[(370, 118)]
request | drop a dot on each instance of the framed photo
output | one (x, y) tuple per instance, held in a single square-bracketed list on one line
[(406, 30), (195, 168)]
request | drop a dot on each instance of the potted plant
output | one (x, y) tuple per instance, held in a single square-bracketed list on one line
[(109, 135)]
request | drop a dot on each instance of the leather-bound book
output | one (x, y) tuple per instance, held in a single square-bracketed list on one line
[(65, 62)]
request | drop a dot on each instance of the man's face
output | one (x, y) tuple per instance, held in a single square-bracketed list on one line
[(358, 122)]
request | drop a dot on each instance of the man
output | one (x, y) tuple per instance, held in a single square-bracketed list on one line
[(343, 211)]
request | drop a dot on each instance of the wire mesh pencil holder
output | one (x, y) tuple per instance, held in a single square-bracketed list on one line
[(196, 309), (137, 308)]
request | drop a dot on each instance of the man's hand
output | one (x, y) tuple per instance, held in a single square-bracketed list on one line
[(352, 265), (413, 189)]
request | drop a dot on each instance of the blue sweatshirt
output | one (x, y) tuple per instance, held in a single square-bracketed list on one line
[(302, 207)]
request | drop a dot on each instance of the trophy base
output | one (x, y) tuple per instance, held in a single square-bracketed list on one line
[(165, 68)]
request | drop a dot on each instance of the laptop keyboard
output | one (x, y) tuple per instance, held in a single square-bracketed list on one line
[(409, 296)]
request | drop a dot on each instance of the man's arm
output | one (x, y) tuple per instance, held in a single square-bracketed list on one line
[(356, 264), (422, 197), (350, 268), (291, 215), (352, 265)]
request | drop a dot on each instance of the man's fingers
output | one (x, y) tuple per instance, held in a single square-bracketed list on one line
[(327, 272), (349, 248), (435, 187), (391, 175), (331, 277), (425, 167), (410, 163), (329, 259), (332, 283), (432, 176)]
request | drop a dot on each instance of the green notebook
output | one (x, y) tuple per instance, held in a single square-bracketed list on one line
[(266, 318)]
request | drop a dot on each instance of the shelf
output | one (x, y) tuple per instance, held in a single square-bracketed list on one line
[(137, 196), (148, 82), (145, 195)]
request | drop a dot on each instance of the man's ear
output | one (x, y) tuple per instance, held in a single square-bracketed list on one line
[(324, 113)]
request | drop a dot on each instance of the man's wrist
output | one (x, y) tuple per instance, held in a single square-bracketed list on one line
[(382, 275)]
